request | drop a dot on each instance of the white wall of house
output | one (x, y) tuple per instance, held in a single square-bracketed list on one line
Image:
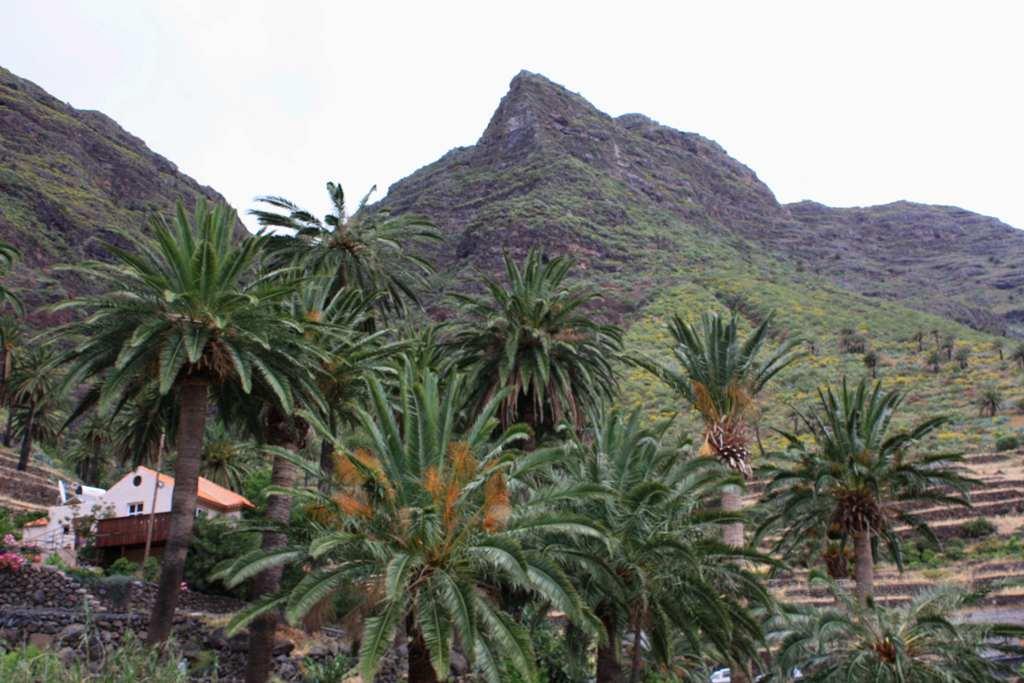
[(136, 489)]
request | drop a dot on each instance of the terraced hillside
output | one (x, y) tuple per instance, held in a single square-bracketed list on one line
[(34, 489)]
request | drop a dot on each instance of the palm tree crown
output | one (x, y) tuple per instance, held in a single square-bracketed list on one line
[(926, 640), (534, 338), (720, 377), (371, 251), (425, 521)]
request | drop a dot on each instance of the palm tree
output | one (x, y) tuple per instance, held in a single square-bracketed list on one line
[(8, 255), (998, 345), (962, 355), (534, 339), (1018, 356), (989, 401), (871, 362), (721, 377), (852, 482), (926, 640), (35, 392), (662, 569), (11, 341), (371, 251), (948, 342), (350, 354), (184, 313), (426, 524), (934, 360)]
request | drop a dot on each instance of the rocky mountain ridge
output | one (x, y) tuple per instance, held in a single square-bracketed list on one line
[(550, 168)]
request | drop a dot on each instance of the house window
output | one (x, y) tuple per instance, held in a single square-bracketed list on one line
[(134, 509)]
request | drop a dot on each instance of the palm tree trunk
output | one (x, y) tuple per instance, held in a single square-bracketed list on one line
[(637, 663), (326, 464), (192, 399), (608, 668), (732, 534), (26, 438), (864, 571), (264, 628), (9, 429), (420, 668)]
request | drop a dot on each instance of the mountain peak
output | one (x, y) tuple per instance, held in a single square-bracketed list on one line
[(535, 114)]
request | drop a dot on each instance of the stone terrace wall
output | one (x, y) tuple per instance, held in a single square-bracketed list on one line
[(44, 587)]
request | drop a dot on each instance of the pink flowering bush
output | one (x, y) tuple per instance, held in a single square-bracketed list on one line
[(9, 540), (11, 561)]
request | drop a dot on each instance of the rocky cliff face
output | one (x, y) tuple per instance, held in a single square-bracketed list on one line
[(71, 178), (640, 204)]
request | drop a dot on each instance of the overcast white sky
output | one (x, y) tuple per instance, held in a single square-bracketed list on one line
[(854, 105)]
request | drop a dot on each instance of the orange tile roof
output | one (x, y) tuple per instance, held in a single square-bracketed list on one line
[(209, 493), (42, 521)]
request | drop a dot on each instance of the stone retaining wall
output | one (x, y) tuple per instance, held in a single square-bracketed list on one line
[(42, 586)]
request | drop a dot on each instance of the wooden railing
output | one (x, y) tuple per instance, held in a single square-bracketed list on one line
[(118, 531)]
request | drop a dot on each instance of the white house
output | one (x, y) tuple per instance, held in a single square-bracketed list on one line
[(133, 495), (123, 513)]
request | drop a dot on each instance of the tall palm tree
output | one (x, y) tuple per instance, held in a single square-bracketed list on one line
[(926, 640), (427, 525), (371, 251), (534, 338), (186, 310), (8, 255), (721, 377), (662, 570), (989, 401), (855, 481), (871, 362), (351, 355), (11, 341), (35, 392), (1017, 356)]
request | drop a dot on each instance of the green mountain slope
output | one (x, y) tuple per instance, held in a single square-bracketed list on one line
[(69, 178)]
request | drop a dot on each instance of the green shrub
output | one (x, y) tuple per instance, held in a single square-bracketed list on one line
[(151, 569), (55, 560), (122, 566), (1007, 443), (328, 671), (117, 590), (955, 550), (129, 663), (979, 528)]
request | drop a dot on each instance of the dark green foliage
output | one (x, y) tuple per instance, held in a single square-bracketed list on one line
[(1010, 442), (980, 527), (213, 542), (151, 569), (117, 587), (122, 566), (533, 337), (330, 670)]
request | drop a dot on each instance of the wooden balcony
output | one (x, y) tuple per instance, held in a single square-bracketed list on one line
[(123, 531)]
